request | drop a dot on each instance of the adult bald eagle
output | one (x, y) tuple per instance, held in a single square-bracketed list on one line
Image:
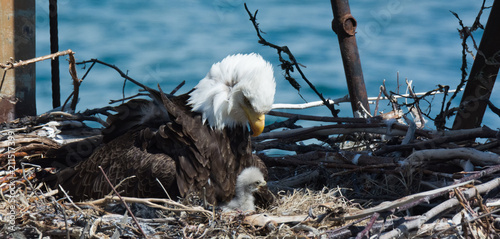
[(194, 144)]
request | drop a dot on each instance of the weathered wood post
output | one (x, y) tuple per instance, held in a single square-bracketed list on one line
[(17, 42), (482, 75), (344, 24)]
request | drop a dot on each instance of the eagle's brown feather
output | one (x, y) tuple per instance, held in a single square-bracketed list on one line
[(187, 156), (194, 144)]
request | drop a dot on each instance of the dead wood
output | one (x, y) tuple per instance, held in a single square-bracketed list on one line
[(475, 156), (262, 220), (27, 139), (11, 65), (387, 206), (483, 132), (294, 181), (446, 205)]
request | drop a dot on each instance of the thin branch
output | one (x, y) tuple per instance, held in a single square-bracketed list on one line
[(310, 104), (288, 65), (323, 118), (151, 202), (76, 81), (127, 98), (122, 74), (123, 202), (11, 64), (446, 205), (484, 132), (387, 206)]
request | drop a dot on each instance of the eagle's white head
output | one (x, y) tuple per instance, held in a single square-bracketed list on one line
[(236, 91), (249, 181)]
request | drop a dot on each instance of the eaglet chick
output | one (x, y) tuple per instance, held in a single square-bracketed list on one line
[(250, 180)]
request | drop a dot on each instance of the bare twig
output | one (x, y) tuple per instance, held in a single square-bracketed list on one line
[(288, 65), (310, 104), (477, 157), (375, 127), (122, 74), (151, 202), (394, 102), (386, 206), (369, 226), (469, 193), (76, 81), (69, 199), (371, 100), (57, 205), (11, 65), (127, 98), (465, 32), (483, 132), (123, 202), (323, 118), (416, 106)]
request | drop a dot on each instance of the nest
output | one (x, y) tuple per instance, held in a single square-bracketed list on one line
[(384, 176), (346, 183)]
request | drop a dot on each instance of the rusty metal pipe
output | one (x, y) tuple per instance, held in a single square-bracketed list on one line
[(344, 25)]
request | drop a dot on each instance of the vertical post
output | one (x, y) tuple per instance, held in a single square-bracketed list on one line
[(54, 47), (482, 75), (344, 25), (17, 42)]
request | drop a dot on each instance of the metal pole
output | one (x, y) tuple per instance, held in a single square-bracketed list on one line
[(344, 25), (54, 47), (482, 75), (17, 42)]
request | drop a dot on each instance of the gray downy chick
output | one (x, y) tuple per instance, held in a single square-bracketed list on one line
[(249, 181)]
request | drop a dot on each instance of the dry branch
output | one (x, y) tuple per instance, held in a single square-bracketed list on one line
[(388, 206), (475, 156), (465, 135), (311, 104), (446, 205), (152, 202), (262, 220), (326, 130), (288, 66), (294, 181), (11, 64), (123, 202)]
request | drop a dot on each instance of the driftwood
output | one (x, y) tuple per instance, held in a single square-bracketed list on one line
[(405, 227)]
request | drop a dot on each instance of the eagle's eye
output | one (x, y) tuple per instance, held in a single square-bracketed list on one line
[(246, 101)]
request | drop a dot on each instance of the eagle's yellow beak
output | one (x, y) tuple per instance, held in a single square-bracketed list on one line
[(262, 184), (256, 120)]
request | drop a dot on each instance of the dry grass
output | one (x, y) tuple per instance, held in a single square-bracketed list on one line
[(38, 214)]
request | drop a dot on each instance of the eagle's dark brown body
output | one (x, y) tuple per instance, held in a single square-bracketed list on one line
[(163, 139)]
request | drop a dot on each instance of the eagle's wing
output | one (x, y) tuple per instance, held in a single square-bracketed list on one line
[(121, 158), (205, 163), (186, 155), (208, 160), (133, 114)]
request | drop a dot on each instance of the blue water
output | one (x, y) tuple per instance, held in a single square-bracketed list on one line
[(164, 41)]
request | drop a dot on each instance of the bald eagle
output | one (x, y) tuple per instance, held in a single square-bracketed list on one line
[(177, 146), (250, 180)]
